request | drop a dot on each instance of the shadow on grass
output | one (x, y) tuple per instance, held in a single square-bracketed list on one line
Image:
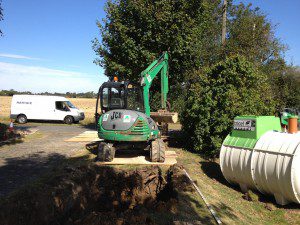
[(51, 122), (176, 139), (89, 123), (12, 141), (74, 191), (18, 171), (213, 171), (13, 137), (225, 209), (270, 200), (20, 132)]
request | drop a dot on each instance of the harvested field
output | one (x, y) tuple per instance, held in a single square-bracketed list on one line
[(5, 106), (104, 195), (86, 104)]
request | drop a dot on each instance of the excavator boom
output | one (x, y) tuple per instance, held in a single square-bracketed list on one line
[(159, 66)]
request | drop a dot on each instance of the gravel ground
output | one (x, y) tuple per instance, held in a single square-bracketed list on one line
[(23, 162)]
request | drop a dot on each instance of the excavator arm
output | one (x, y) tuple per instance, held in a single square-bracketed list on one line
[(159, 66)]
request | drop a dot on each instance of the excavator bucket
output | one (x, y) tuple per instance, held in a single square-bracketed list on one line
[(164, 116)]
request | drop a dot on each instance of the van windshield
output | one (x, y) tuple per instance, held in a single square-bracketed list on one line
[(70, 105)]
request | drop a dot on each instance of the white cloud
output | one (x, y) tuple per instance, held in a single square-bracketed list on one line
[(37, 79), (13, 56), (10, 68)]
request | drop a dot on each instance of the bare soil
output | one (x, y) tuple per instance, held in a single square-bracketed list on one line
[(94, 194)]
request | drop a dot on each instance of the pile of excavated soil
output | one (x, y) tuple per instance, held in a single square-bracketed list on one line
[(97, 195)]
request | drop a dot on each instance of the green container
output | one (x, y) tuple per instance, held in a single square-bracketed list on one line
[(248, 129)]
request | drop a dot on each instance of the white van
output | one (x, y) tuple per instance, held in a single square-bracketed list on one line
[(41, 107)]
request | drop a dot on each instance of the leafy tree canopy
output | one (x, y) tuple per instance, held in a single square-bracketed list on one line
[(135, 32), (252, 35), (230, 88), (285, 82)]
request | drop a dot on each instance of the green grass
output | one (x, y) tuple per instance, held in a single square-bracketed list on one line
[(4, 119), (227, 200)]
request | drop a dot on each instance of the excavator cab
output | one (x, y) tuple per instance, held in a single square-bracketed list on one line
[(119, 95)]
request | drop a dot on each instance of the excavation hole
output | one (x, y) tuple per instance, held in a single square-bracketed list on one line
[(96, 195)]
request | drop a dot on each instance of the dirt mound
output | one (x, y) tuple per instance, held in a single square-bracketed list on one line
[(96, 195)]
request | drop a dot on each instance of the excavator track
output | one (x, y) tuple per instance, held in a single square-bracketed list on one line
[(157, 151)]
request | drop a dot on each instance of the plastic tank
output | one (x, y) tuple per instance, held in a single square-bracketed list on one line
[(257, 155), (275, 166), (237, 148)]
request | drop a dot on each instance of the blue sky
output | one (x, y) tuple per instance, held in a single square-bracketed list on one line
[(285, 15), (47, 44)]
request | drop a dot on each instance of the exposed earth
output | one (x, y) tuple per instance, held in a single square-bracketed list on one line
[(104, 195)]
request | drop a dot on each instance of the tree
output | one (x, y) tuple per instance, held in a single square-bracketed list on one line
[(230, 88), (135, 32), (250, 34), (285, 83), (224, 20)]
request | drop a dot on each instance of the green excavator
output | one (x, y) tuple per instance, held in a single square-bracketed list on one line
[(123, 116)]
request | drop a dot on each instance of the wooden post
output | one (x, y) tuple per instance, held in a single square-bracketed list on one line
[(224, 18)]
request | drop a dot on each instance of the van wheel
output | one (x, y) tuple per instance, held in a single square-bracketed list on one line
[(69, 120), (22, 119)]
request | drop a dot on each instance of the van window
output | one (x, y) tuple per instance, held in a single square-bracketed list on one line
[(61, 106), (70, 105)]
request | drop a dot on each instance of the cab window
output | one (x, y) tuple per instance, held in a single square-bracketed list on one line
[(117, 98), (134, 98), (59, 105), (105, 97)]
